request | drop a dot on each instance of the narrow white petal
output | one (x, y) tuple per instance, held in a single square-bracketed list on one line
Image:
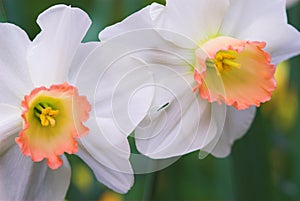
[(10, 121), (139, 20), (15, 79), (53, 50), (236, 125), (21, 179), (106, 150)]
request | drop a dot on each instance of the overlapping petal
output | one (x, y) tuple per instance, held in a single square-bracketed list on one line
[(10, 121), (82, 53), (106, 150), (142, 19), (116, 88), (236, 125), (14, 74), (21, 179), (63, 29), (198, 24), (178, 121)]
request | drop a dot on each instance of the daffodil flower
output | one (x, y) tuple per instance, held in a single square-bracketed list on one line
[(46, 110), (214, 62)]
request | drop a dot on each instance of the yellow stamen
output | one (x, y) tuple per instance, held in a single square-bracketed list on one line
[(46, 114), (225, 61)]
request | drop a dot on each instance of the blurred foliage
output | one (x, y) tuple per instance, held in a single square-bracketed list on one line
[(264, 165)]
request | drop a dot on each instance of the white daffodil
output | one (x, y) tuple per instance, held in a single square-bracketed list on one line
[(49, 106), (214, 63)]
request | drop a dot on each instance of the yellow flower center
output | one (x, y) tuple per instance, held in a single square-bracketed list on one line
[(224, 60), (46, 114)]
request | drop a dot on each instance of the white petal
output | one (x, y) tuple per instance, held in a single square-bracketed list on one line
[(83, 51), (55, 183), (10, 121), (236, 125), (282, 45), (196, 20), (21, 179), (243, 14), (106, 150), (179, 121), (265, 20), (150, 17), (123, 94), (15, 78), (139, 20), (118, 85), (118, 181), (52, 51)]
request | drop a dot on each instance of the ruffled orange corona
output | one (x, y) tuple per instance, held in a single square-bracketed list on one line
[(53, 119), (234, 71)]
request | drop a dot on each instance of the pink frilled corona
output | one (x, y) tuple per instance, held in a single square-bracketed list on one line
[(52, 120), (234, 71)]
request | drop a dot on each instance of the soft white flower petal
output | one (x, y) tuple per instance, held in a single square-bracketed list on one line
[(178, 122), (124, 95), (15, 78), (139, 20), (118, 87), (266, 21), (118, 181), (236, 125), (83, 51), (106, 150), (21, 179), (55, 183), (52, 51), (150, 17), (243, 14), (10, 121), (283, 42), (196, 20)]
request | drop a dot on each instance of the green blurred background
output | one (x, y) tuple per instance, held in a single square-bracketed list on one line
[(264, 165)]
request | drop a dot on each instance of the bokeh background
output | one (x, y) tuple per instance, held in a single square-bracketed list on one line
[(264, 165)]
